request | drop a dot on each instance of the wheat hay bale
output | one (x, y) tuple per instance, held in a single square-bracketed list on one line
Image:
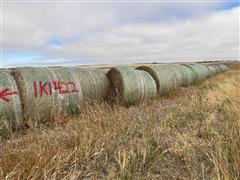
[(46, 92), (94, 83), (164, 77), (130, 86), (10, 105)]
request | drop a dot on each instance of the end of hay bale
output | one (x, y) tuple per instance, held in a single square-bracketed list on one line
[(10, 105), (152, 73), (130, 86)]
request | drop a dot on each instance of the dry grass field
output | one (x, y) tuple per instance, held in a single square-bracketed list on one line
[(192, 133)]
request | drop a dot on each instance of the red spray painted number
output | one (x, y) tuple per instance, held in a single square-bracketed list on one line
[(47, 88), (7, 92)]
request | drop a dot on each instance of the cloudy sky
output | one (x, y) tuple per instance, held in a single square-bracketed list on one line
[(70, 33)]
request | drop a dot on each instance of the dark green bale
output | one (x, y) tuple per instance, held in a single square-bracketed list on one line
[(130, 86), (94, 83), (47, 93), (164, 77), (10, 105)]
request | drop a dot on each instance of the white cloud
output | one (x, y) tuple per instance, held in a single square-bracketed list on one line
[(122, 32), (212, 37)]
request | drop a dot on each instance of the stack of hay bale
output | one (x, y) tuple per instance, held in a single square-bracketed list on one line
[(48, 92), (42, 94)]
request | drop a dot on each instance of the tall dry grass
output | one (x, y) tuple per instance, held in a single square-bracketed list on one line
[(193, 133)]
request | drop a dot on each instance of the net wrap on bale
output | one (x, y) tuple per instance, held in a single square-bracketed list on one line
[(177, 71), (10, 105), (130, 86), (188, 76), (94, 83), (223, 67), (164, 77), (200, 71), (48, 92)]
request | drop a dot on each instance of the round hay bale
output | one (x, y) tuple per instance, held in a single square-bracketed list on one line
[(177, 71), (188, 76), (205, 70), (212, 70), (223, 67), (47, 93), (164, 77), (199, 71), (94, 83), (10, 105), (218, 69), (130, 86)]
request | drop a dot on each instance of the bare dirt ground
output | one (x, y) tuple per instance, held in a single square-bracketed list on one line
[(192, 133)]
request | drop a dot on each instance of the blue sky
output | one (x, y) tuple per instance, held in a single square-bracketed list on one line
[(48, 34)]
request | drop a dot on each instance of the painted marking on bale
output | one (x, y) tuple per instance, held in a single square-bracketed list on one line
[(47, 88), (7, 92)]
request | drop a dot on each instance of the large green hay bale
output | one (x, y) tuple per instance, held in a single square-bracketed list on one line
[(130, 86), (212, 70), (200, 72), (47, 93), (164, 77), (94, 83), (188, 76), (205, 70), (177, 71), (10, 105)]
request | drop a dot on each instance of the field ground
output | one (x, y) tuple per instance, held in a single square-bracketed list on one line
[(192, 133)]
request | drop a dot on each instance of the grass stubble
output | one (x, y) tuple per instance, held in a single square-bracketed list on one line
[(192, 133)]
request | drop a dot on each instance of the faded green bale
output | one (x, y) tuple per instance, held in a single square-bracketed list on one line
[(10, 105), (47, 93), (94, 83), (199, 72), (195, 71), (130, 86), (177, 71), (205, 70), (164, 77), (212, 70), (223, 67), (218, 69), (188, 76)]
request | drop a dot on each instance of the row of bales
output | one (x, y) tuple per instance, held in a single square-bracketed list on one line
[(40, 95)]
